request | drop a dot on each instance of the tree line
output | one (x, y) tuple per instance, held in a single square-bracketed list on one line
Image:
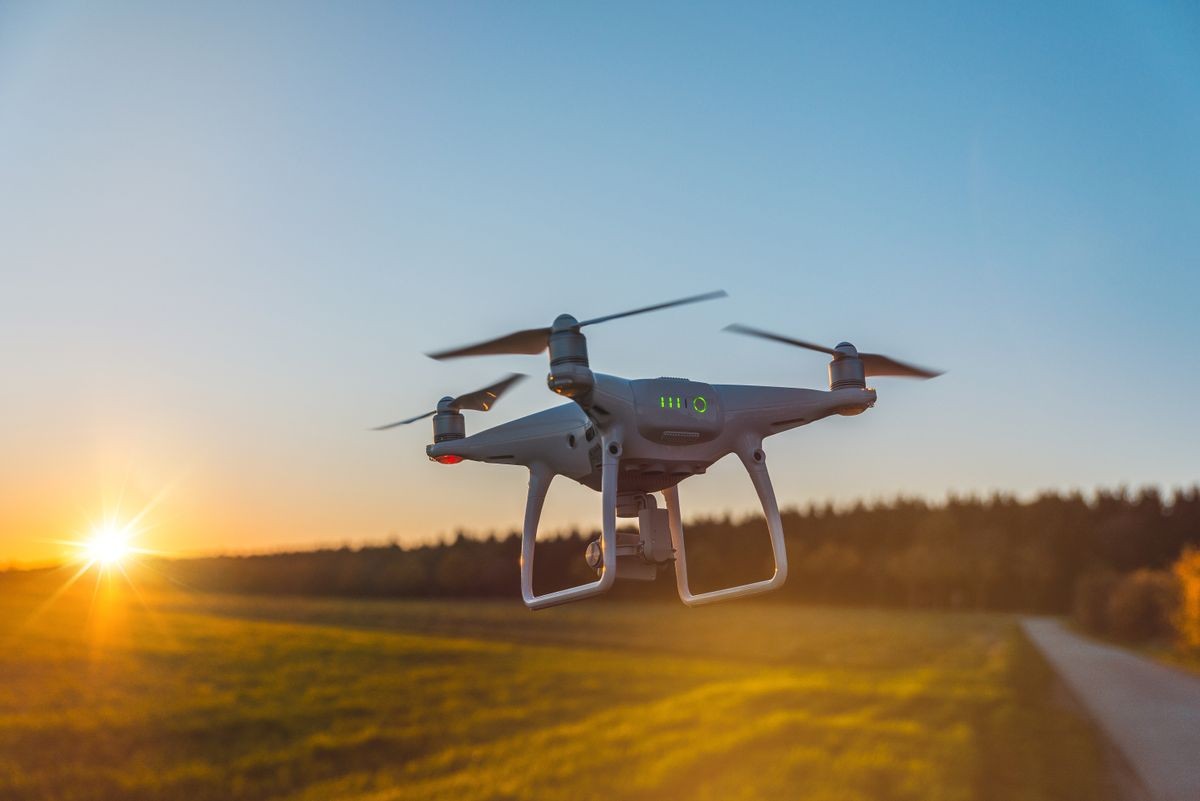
[(996, 552)]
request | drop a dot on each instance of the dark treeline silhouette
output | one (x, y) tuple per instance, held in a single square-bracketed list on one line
[(993, 553)]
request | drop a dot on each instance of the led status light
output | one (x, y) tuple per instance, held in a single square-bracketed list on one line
[(697, 404)]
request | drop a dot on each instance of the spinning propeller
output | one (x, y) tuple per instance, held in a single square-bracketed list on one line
[(872, 363), (480, 401), (535, 340)]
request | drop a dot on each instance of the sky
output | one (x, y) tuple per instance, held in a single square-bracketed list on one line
[(229, 231)]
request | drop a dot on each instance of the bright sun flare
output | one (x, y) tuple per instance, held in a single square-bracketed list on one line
[(108, 545)]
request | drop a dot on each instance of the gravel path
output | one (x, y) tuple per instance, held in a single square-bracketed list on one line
[(1150, 712)]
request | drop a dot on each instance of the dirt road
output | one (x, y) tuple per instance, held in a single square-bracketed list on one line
[(1150, 712)]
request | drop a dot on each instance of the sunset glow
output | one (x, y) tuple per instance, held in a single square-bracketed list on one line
[(111, 542), (955, 207), (108, 545)]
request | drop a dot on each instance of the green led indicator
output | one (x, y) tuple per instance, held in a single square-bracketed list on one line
[(699, 403)]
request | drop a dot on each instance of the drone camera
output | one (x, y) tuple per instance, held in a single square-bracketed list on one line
[(654, 529), (639, 554)]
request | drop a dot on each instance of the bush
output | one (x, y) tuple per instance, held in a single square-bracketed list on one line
[(1092, 593), (1142, 605), (1187, 616)]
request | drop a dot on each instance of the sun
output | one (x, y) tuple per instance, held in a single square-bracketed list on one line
[(109, 549), (108, 545)]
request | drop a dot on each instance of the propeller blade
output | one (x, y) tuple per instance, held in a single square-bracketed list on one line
[(405, 422), (720, 293), (530, 341), (875, 364), (483, 399), (534, 340), (738, 328), (478, 401)]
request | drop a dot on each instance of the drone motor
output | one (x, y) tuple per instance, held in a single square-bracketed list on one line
[(846, 369), (570, 374), (448, 421)]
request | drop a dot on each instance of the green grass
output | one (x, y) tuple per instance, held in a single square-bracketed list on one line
[(203, 697)]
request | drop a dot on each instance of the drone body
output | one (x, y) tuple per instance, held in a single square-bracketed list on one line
[(629, 439)]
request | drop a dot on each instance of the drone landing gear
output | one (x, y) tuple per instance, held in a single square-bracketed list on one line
[(659, 539), (756, 466), (540, 476)]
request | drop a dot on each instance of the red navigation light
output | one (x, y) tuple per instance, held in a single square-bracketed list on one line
[(447, 458)]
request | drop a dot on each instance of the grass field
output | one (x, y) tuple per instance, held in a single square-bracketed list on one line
[(104, 695)]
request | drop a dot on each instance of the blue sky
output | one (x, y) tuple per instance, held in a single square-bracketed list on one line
[(228, 232)]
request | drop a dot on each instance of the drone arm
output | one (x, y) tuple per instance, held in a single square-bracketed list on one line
[(540, 477), (754, 460)]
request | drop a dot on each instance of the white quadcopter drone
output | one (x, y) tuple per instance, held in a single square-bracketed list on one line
[(632, 438)]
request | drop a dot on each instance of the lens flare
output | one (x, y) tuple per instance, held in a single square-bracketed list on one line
[(108, 545)]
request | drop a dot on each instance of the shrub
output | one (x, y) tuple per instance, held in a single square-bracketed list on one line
[(1092, 593), (1142, 605), (1187, 616)]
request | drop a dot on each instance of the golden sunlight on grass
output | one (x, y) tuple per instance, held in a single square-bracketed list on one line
[(221, 698)]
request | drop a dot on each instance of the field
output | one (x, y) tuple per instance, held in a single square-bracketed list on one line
[(105, 694)]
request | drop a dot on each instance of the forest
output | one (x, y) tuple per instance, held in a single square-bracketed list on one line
[(995, 553)]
